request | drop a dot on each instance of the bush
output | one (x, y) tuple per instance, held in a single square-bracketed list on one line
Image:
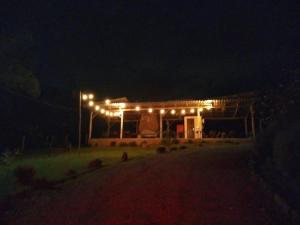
[(124, 157), (183, 147), (161, 149), (95, 164), (25, 175), (132, 144), (113, 144)]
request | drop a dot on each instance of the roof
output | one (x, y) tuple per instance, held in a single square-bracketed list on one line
[(224, 107)]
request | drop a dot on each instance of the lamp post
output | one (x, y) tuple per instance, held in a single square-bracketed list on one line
[(82, 97)]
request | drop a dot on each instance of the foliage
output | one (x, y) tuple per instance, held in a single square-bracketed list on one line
[(25, 175), (95, 164), (16, 64), (124, 157)]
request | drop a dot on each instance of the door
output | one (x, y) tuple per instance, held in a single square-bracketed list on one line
[(192, 127)]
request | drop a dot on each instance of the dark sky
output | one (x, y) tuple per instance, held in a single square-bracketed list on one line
[(158, 49)]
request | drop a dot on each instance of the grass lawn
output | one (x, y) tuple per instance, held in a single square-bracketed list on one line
[(53, 167)]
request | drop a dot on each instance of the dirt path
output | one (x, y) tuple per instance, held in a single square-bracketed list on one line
[(203, 187)]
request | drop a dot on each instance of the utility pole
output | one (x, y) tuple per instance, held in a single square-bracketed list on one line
[(79, 122)]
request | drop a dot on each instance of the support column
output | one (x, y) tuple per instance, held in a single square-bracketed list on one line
[(122, 124), (198, 127), (246, 126), (252, 121), (79, 122), (185, 127), (160, 126), (90, 126)]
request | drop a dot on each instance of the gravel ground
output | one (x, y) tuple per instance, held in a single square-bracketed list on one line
[(200, 187)]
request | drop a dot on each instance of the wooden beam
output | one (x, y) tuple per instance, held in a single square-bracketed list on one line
[(121, 125), (91, 125), (160, 126)]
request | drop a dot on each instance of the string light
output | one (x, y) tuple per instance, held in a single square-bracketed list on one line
[(102, 111), (97, 107), (107, 113), (200, 109), (122, 105), (91, 96), (111, 114), (107, 101), (84, 97), (137, 108), (192, 110), (150, 110), (183, 111), (162, 111), (173, 111), (91, 103)]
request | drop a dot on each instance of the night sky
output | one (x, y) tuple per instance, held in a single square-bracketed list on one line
[(157, 49)]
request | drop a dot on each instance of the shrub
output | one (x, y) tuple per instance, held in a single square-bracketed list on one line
[(174, 148), (95, 164), (113, 144), (183, 147), (25, 174), (123, 144), (161, 149), (132, 144), (124, 157)]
